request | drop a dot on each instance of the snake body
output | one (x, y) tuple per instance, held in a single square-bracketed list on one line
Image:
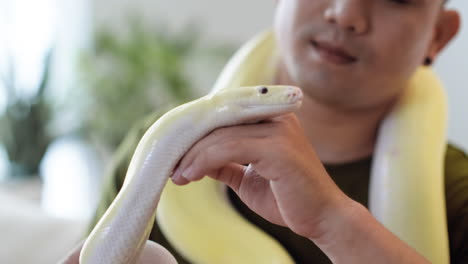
[(407, 177), (121, 233)]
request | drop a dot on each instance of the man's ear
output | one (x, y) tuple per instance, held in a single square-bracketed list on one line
[(447, 27)]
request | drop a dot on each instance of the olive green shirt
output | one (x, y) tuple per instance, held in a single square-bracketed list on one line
[(352, 178)]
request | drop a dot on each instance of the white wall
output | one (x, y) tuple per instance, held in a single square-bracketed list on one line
[(238, 20), (226, 20)]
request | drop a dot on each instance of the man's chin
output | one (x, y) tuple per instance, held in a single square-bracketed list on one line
[(331, 93)]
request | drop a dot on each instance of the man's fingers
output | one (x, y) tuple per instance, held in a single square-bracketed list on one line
[(232, 175), (217, 156), (219, 136)]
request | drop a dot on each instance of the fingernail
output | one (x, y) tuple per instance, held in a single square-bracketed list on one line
[(187, 173), (176, 173)]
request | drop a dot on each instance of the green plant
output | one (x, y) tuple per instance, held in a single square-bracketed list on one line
[(23, 125), (127, 77)]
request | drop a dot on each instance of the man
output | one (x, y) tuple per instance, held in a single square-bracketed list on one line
[(352, 59)]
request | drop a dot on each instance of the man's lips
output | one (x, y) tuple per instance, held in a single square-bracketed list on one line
[(333, 53)]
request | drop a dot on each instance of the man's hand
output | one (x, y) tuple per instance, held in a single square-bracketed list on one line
[(285, 182)]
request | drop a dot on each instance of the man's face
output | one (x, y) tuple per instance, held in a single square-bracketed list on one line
[(354, 53)]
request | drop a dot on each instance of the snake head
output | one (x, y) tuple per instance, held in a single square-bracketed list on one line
[(258, 102)]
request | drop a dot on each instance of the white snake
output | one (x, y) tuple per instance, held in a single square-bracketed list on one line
[(406, 192), (123, 230)]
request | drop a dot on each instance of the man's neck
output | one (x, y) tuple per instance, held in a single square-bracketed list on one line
[(338, 135)]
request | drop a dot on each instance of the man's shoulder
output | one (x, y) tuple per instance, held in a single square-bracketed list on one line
[(454, 149), (456, 179), (456, 161), (456, 195)]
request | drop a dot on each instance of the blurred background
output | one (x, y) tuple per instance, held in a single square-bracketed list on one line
[(76, 74)]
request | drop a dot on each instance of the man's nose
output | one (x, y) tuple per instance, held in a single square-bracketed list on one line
[(351, 15)]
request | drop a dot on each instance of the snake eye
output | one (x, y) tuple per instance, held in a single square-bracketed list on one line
[(263, 90)]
